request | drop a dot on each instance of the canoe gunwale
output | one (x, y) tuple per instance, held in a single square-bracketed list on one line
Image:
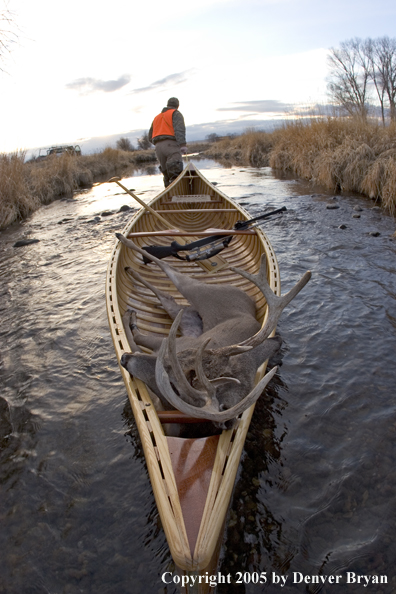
[(150, 429)]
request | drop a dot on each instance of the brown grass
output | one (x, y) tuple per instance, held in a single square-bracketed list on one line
[(24, 187), (340, 154), (16, 198), (252, 148)]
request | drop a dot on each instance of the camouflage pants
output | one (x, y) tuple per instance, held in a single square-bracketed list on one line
[(171, 163)]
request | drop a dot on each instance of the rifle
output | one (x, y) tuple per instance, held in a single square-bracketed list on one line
[(213, 244)]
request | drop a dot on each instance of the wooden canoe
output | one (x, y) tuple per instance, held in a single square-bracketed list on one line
[(192, 479)]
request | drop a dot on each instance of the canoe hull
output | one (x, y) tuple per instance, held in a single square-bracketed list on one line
[(193, 539)]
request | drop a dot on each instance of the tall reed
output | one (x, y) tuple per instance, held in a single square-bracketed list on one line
[(16, 198), (251, 148), (341, 154)]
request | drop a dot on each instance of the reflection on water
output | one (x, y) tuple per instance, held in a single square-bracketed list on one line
[(316, 489)]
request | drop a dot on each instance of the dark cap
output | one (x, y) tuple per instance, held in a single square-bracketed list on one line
[(173, 102)]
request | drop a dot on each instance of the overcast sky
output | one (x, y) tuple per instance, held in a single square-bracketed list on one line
[(84, 69)]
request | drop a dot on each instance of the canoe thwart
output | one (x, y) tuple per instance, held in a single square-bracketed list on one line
[(200, 210), (177, 232)]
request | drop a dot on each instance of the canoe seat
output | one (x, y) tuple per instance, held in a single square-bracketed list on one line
[(175, 416), (192, 198)]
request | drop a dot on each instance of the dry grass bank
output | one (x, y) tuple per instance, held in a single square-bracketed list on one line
[(337, 153), (252, 148), (24, 187), (340, 154), (16, 198), (198, 147)]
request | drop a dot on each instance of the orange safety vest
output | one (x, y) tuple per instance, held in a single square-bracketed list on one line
[(163, 125)]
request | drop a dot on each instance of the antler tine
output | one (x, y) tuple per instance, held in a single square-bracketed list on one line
[(205, 382), (275, 304), (126, 318), (181, 379)]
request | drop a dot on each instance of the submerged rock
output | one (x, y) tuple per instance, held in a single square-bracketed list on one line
[(332, 206), (22, 242), (5, 421), (374, 233)]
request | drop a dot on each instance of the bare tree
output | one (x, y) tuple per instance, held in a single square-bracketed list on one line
[(383, 60), (212, 137), (358, 66), (143, 142), (376, 76), (124, 144), (349, 76), (8, 34)]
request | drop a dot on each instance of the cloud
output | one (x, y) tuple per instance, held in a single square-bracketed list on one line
[(172, 79), (194, 133), (225, 127), (263, 106), (91, 85)]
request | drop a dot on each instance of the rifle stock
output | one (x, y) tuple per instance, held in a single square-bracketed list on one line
[(162, 251)]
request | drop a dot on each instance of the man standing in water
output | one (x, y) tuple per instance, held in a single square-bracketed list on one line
[(168, 134)]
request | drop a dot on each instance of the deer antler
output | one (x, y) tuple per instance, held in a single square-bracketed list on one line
[(275, 306), (204, 381), (185, 387)]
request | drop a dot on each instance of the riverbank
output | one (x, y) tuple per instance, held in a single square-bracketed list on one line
[(340, 154), (25, 186)]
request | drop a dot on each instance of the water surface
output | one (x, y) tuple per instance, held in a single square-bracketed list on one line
[(317, 484)]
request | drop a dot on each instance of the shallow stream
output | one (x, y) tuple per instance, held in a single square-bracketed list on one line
[(316, 490)]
